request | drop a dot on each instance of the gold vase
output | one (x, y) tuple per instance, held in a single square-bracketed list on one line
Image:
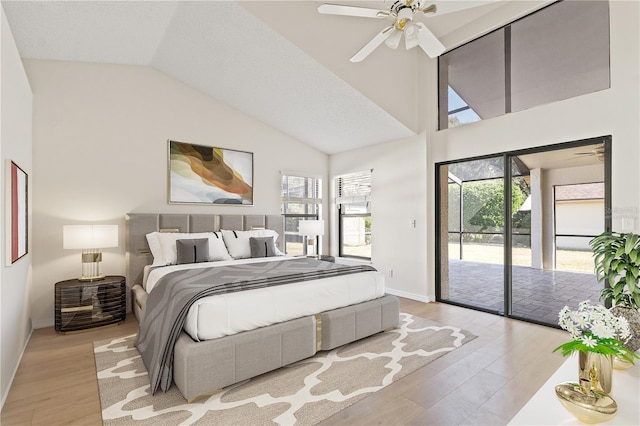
[(620, 363), (592, 407), (595, 372)]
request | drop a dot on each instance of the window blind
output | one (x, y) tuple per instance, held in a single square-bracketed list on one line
[(301, 190), (354, 188)]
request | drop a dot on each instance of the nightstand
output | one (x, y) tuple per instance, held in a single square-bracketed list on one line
[(81, 305), (323, 257)]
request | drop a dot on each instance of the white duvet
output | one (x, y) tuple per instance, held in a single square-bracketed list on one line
[(226, 314)]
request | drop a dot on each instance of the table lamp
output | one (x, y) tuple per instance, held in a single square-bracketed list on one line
[(90, 239), (311, 229)]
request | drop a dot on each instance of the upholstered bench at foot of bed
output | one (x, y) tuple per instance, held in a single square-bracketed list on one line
[(355, 322), (202, 368)]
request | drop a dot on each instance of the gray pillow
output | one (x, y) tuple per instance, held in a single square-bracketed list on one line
[(193, 250), (262, 247)]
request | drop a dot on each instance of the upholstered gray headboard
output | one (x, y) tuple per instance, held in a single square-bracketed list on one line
[(140, 224)]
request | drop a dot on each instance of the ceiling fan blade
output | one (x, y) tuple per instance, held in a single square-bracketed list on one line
[(454, 6), (372, 45), (364, 12), (429, 42)]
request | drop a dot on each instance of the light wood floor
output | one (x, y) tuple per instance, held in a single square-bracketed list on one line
[(485, 382)]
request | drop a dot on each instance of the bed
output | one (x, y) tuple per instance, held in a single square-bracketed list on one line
[(227, 337)]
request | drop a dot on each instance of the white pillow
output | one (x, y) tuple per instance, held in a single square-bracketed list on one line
[(168, 254), (156, 248), (217, 248), (237, 242)]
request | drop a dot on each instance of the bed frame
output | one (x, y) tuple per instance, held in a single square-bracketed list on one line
[(203, 368)]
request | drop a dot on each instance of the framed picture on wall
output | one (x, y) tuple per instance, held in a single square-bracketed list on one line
[(201, 174), (17, 191)]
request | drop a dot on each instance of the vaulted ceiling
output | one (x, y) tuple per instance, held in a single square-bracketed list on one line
[(280, 62)]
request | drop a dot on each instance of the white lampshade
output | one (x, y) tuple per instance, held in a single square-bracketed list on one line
[(90, 239), (311, 227), (89, 236)]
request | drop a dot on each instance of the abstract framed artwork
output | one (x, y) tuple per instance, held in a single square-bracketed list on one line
[(17, 212), (201, 174)]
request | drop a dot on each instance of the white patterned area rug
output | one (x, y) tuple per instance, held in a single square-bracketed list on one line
[(303, 393)]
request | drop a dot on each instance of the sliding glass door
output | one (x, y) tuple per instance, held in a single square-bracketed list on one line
[(514, 229), (566, 209), (472, 233)]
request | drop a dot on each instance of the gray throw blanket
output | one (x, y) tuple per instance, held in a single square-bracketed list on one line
[(169, 302)]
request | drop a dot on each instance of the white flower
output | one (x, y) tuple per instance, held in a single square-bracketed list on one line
[(584, 305), (583, 320), (598, 316), (622, 326), (594, 319), (601, 330), (574, 331), (589, 341), (575, 316)]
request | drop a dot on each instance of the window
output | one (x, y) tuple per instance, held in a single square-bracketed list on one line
[(459, 111), (475, 73), (301, 199), (556, 53), (579, 216), (354, 210)]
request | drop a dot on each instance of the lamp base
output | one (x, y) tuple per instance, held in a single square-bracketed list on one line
[(90, 279), (91, 259)]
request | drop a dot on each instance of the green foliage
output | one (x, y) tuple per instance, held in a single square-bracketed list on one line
[(367, 230), (617, 262), (483, 203), (604, 346)]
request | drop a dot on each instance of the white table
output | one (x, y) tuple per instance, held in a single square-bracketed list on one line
[(545, 409)]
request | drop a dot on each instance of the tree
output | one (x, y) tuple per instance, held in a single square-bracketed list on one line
[(483, 203)]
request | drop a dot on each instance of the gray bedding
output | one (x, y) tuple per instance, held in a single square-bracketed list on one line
[(171, 298)]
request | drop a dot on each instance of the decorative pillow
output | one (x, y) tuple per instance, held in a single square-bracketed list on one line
[(217, 249), (192, 250), (169, 255), (156, 248), (237, 242), (262, 246)]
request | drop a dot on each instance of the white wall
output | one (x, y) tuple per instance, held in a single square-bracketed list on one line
[(578, 217), (550, 219), (100, 149), (398, 188), (15, 137)]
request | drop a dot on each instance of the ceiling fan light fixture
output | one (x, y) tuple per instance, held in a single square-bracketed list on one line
[(405, 14), (411, 36), (394, 39)]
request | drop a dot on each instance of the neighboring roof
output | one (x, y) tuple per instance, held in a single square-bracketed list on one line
[(585, 191)]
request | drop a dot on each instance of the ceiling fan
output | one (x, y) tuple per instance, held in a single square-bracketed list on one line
[(597, 152), (403, 13)]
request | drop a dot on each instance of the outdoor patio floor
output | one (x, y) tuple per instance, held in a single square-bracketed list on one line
[(537, 294)]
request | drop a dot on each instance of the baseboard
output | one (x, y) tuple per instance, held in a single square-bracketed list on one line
[(351, 261), (13, 376), (43, 323), (407, 295)]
